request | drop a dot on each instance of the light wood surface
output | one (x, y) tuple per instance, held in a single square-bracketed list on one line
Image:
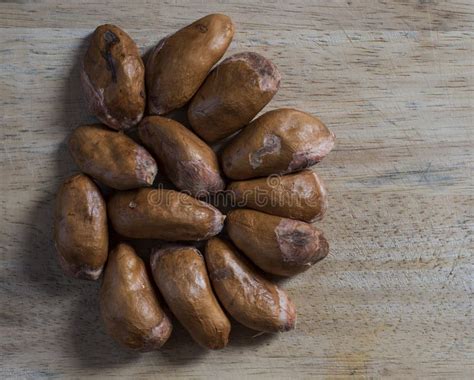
[(393, 79)]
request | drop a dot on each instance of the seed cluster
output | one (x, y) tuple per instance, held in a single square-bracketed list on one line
[(262, 168)]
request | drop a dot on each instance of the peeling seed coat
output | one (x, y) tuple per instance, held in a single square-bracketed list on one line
[(250, 298), (299, 196), (129, 307), (113, 78), (163, 214), (188, 161), (181, 276), (280, 246), (80, 228), (278, 142), (111, 157), (180, 63), (233, 93)]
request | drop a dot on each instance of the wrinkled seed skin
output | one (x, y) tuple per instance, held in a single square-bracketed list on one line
[(129, 307), (80, 228), (278, 142), (163, 214), (279, 246), (187, 161), (233, 93), (179, 63), (113, 78), (112, 158), (246, 295), (300, 196), (180, 274)]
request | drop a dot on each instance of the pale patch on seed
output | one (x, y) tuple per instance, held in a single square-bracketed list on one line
[(96, 102), (196, 177), (83, 272), (287, 315), (158, 334), (271, 145), (268, 75), (309, 157)]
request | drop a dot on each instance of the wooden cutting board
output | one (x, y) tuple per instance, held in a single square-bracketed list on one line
[(394, 81)]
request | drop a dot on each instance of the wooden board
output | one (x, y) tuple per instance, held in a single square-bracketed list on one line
[(394, 80)]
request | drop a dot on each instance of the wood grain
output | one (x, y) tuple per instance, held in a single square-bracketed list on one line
[(394, 80)]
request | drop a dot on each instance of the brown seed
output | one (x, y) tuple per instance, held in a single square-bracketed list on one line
[(80, 228), (279, 142), (130, 309), (299, 196), (113, 78), (112, 158), (179, 63), (188, 161), (181, 276), (163, 214), (250, 298), (233, 93), (277, 245)]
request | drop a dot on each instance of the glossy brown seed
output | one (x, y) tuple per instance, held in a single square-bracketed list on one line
[(279, 142), (113, 78), (248, 297), (163, 214), (179, 63), (277, 245), (112, 158), (299, 196), (80, 228), (181, 276), (233, 93), (187, 161), (130, 309)]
